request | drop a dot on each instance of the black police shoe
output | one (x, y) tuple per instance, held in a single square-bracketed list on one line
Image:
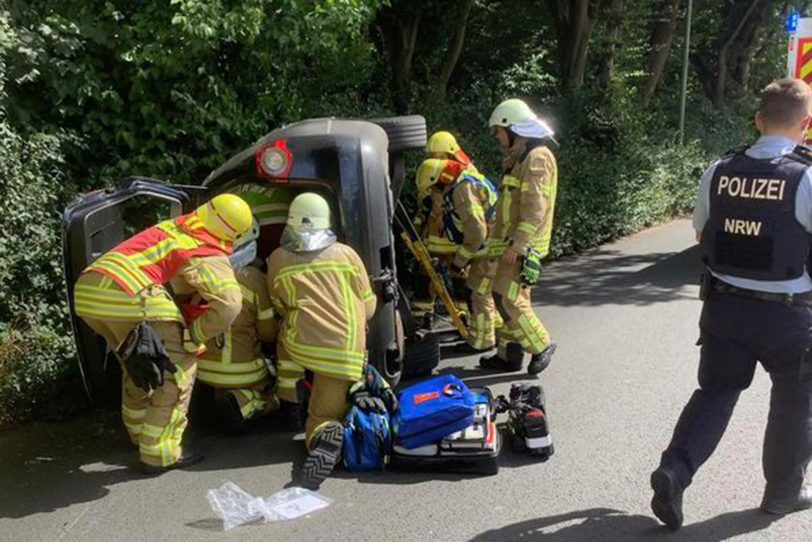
[(187, 459), (779, 508), (496, 363), (540, 361), (323, 456), (667, 500)]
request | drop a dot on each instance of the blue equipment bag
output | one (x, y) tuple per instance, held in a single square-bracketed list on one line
[(432, 410), (367, 440)]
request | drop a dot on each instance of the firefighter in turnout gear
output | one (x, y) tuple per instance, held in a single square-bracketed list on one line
[(123, 297), (753, 219), (322, 291), (430, 221), (469, 206), (521, 234), (233, 363)]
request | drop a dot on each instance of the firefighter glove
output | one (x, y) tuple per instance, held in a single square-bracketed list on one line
[(531, 267), (144, 358)]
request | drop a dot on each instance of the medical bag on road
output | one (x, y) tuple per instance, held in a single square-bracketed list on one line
[(432, 410), (367, 440), (474, 449)]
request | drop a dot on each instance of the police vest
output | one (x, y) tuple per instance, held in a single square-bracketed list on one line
[(488, 194), (154, 255), (752, 231)]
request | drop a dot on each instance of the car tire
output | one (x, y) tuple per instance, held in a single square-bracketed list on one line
[(422, 356), (405, 133)]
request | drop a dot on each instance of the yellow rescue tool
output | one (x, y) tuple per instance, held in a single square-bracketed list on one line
[(430, 266)]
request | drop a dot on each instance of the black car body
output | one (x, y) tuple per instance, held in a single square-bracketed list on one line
[(356, 164)]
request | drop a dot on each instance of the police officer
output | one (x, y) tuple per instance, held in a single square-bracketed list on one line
[(753, 219), (521, 234)]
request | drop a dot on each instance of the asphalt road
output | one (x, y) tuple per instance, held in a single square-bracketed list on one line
[(625, 317)]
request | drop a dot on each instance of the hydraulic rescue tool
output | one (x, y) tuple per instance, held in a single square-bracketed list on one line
[(432, 267)]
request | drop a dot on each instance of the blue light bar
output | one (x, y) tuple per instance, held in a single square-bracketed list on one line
[(792, 22)]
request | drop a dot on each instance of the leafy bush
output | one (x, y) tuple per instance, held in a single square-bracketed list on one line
[(36, 355)]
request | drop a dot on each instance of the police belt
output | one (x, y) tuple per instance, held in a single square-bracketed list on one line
[(803, 300)]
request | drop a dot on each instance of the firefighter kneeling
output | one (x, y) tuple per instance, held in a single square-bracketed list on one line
[(234, 364), (321, 289), (122, 297)]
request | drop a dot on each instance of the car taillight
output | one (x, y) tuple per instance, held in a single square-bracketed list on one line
[(274, 161)]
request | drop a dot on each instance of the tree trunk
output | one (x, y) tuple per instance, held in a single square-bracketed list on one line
[(400, 37), (454, 49), (574, 21), (660, 39), (613, 15), (721, 63)]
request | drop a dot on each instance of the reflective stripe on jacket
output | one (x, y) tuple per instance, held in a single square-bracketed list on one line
[(154, 255), (269, 204), (234, 358), (470, 204), (524, 211), (325, 299)]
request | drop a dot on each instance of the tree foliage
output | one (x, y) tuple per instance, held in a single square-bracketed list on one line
[(91, 90)]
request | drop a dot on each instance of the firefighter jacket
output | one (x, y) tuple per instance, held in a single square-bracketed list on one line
[(234, 358), (431, 225), (524, 211), (752, 231), (177, 252), (325, 299), (469, 211)]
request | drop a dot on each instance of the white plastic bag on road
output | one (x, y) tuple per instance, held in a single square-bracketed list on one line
[(236, 507)]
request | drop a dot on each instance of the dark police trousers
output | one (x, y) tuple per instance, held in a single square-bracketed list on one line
[(736, 334)]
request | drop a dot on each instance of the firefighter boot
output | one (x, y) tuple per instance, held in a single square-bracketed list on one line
[(187, 459), (513, 363), (325, 453), (540, 361)]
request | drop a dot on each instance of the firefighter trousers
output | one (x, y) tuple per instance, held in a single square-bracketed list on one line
[(512, 299), (481, 306), (155, 420), (328, 404), (288, 373), (254, 400)]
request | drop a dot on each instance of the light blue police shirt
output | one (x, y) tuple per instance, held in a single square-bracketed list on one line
[(766, 147)]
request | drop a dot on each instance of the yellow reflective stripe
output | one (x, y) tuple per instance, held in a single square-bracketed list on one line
[(133, 413), (324, 353), (477, 210), (513, 291), (506, 204), (289, 365), (126, 265), (317, 267), (496, 247), (267, 314), (155, 253), (527, 228), (351, 370), (238, 367), (349, 311), (287, 383), (196, 331), (465, 253), (248, 296), (484, 286), (129, 281), (215, 285), (228, 346), (531, 334), (368, 295), (134, 429), (287, 284), (510, 180)]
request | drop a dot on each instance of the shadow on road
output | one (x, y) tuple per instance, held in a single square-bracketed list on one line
[(48, 467), (608, 277), (613, 525)]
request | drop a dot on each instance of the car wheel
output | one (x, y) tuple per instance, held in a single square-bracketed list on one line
[(422, 356), (405, 133)]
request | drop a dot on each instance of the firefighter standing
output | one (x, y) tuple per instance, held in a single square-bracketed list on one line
[(469, 205), (753, 218), (430, 220), (521, 235), (233, 363), (321, 289), (122, 297)]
